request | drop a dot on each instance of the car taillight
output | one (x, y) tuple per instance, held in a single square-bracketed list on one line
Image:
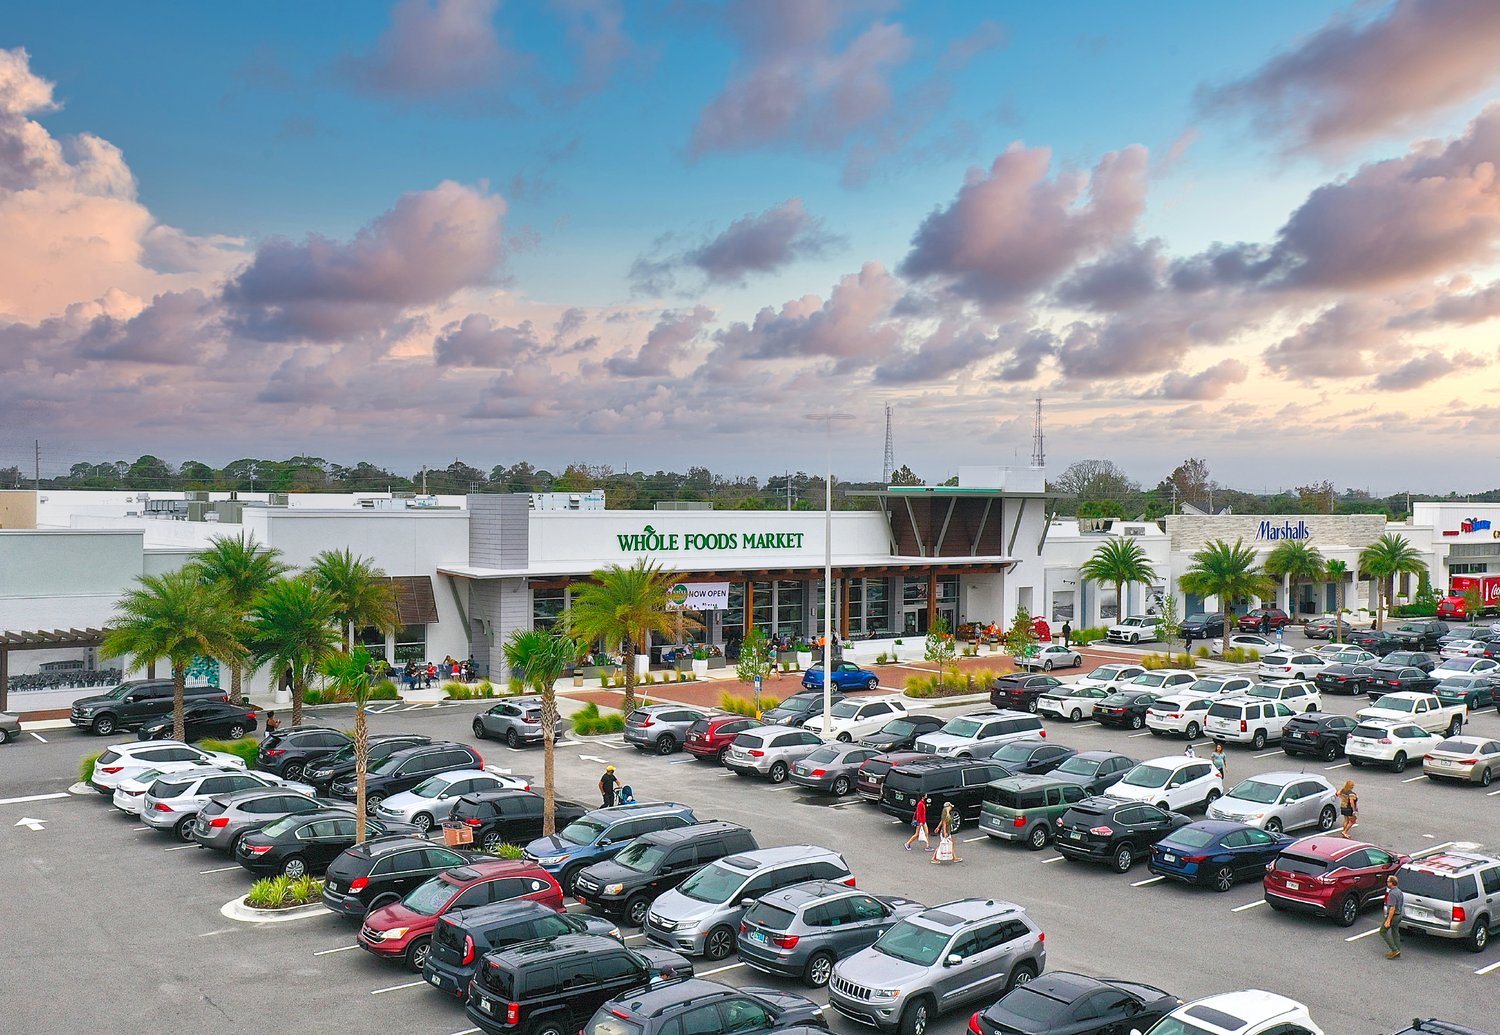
[(135, 794), (159, 807), (1384, 740), (744, 927), (1469, 761), (219, 823), (112, 769), (1019, 821), (512, 1013), (473, 822), (648, 722), (359, 884), (274, 752), (974, 1024), (1244, 726), (1194, 858), (820, 772), (1459, 916), (785, 941), (850, 882), (1041, 936), (1175, 715), (468, 950), (1042, 734), (1102, 831), (756, 753), (257, 849)]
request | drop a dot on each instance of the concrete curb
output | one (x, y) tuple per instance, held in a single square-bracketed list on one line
[(80, 788), (235, 909)]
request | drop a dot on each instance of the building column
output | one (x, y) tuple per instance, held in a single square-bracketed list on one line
[(844, 608), (931, 597), (749, 607)]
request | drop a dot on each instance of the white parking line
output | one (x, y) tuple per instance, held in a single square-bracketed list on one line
[(341, 948), (716, 970), (1366, 934), (981, 837), (1414, 779), (1268, 754), (1054, 859), (1081, 725), (1247, 905), (1486, 970), (1341, 765), (33, 797), (38, 736), (630, 936), (1491, 794), (394, 988), (1432, 849), (387, 708), (679, 761), (179, 848), (1430, 837), (1146, 734), (221, 869), (466, 1031), (1146, 883), (221, 930)]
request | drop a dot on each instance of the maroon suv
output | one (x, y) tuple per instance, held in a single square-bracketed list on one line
[(1264, 620), (870, 783), (708, 739), (1330, 876)]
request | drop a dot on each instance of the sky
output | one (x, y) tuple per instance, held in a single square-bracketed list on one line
[(659, 234)]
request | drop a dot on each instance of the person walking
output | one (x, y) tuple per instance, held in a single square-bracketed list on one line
[(1390, 927), (1067, 634), (272, 723), (1219, 759), (946, 851), (1188, 750), (919, 826), (1348, 807), (608, 784)]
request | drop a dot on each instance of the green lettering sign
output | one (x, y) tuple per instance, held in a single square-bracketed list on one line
[(649, 540)]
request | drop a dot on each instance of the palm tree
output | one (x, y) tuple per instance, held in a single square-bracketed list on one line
[(1383, 560), (622, 607), (1227, 572), (175, 618), (1297, 562), (1336, 572), (293, 627), (1117, 562), (238, 568), (536, 659), (349, 673), (362, 594)]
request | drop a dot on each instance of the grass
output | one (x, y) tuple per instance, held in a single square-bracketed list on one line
[(587, 721), (1168, 660), (86, 766), (506, 850), (949, 684), (467, 692), (385, 690), (745, 705), (283, 892), (1083, 637), (245, 748)]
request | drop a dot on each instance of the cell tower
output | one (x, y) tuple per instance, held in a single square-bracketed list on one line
[(1038, 453), (890, 449)]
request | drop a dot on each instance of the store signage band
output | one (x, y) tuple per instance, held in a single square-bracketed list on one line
[(1271, 530), (698, 596), (651, 541)]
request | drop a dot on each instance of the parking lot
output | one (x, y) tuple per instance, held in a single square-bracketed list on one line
[(112, 924)]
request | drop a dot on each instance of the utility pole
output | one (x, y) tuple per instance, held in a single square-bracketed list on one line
[(1038, 453), (36, 483), (890, 449)]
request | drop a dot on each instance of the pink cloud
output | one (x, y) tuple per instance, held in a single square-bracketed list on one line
[(1462, 309), (435, 49), (665, 346), (478, 341), (1423, 370), (1213, 383)]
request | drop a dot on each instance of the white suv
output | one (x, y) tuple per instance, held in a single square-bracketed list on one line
[(1111, 677), (1174, 782), (1392, 742), (852, 719), (1162, 680), (1135, 629), (964, 734), (1247, 720), (1215, 686), (1298, 695), (1251, 1012), (1292, 665), (1182, 713), (122, 761)]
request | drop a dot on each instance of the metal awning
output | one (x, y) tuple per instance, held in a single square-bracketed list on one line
[(415, 602)]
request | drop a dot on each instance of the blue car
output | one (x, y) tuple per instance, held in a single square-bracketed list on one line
[(846, 676), (1216, 853), (603, 834)]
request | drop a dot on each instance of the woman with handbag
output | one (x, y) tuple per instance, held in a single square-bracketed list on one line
[(946, 826), (919, 821)]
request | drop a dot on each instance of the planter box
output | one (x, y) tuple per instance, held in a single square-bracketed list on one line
[(786, 657), (718, 662), (700, 668), (804, 658)]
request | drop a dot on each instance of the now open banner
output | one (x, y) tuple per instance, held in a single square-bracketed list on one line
[(698, 596)]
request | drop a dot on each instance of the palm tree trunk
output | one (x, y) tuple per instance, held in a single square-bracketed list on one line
[(179, 695), (1338, 610), (236, 685), (299, 689), (549, 737), (628, 705), (361, 764), (349, 648), (1119, 602)]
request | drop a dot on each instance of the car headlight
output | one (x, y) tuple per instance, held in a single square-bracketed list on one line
[(614, 889), (614, 932), (553, 860), (393, 934), (1258, 815), (888, 993)]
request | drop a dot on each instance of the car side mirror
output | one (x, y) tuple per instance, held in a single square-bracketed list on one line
[(603, 842), (1135, 1031), (746, 903), (954, 959)]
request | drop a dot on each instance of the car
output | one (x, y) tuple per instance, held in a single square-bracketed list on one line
[(1246, 642), (288, 751), (1263, 620), (1162, 680), (407, 768), (603, 834), (375, 873), (1179, 713), (937, 960), (1426, 710), (851, 720), (705, 1008), (430, 802), (1291, 665), (1463, 648), (701, 916), (1421, 635), (798, 708), (708, 740), (1071, 701), (660, 728), (322, 773), (1247, 720), (1109, 677), (941, 780), (1298, 695), (1248, 1012), (770, 751), (226, 819), (517, 721), (1391, 742), (1377, 641), (1094, 771), (1174, 782), (1278, 801), (870, 780), (510, 816), (122, 761), (1470, 691), (1215, 853), (900, 734), (553, 987), (1020, 691), (1327, 627), (201, 719), (10, 726), (173, 800), (463, 937), (1113, 830), (1453, 895), (1465, 632), (1331, 876), (846, 676), (1061, 1003), (1135, 629), (403, 930), (1025, 808), (1318, 734), (624, 887), (1345, 679), (1203, 626), (1028, 756), (131, 794), (978, 733), (1337, 654), (302, 843), (1126, 709), (832, 768), (134, 703), (1466, 759), (1412, 659), (803, 930), (1049, 656), (1487, 667)]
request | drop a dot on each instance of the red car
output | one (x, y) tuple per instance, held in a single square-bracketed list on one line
[(1264, 620), (1330, 876), (403, 930), (870, 782), (708, 739)]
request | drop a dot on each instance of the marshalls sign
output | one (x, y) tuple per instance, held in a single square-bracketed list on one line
[(698, 596)]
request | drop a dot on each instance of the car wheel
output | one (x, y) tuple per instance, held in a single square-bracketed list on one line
[(546, 1026), (636, 910), (1212, 796), (1076, 716), (777, 773), (184, 829), (104, 725), (491, 842), (666, 744), (1327, 817), (1223, 878), (1078, 661), (372, 802), (819, 969), (1047, 665), (293, 771), (1136, 722), (294, 867), (234, 846), (843, 738), (1348, 911), (1479, 936), (236, 731), (872, 683), (422, 821), (1124, 858), (723, 754), (1358, 763), (1330, 751), (1455, 726), (512, 739), (1037, 839), (569, 879), (1310, 709), (719, 943), (1259, 740), (1398, 764), (915, 1017), (1486, 777), (1020, 976), (382, 900), (478, 728), (416, 956), (1193, 730), (1273, 826), (1031, 706), (841, 786)]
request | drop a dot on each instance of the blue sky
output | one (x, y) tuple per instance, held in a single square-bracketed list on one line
[(606, 151)]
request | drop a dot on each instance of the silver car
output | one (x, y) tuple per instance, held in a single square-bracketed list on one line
[(662, 728), (1453, 895), (770, 751), (832, 768), (225, 819), (430, 801), (802, 931), (10, 727), (1279, 801), (516, 721), (936, 960), (980, 733), (1468, 759), (173, 801)]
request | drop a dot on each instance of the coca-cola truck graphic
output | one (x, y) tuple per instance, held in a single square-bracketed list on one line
[(1456, 604)]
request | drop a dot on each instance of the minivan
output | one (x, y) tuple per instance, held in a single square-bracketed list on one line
[(624, 887), (1025, 808), (941, 780)]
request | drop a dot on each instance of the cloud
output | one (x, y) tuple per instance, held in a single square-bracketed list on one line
[(1354, 80), (595, 30), (1473, 307), (435, 50), (955, 347), (1213, 383), (762, 243), (1422, 370), (428, 246), (1010, 232), (665, 345), (1337, 342), (987, 36), (478, 341), (1126, 276)]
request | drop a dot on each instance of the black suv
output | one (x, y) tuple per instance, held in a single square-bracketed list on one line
[(322, 773), (288, 752), (1317, 734), (1020, 691), (463, 937), (624, 887), (1113, 830), (552, 987), (378, 873), (705, 1008), (1423, 636), (406, 767), (1202, 626), (959, 780), (1376, 641), (133, 704), (510, 816)]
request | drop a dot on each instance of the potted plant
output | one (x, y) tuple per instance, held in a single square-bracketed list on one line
[(804, 654), (700, 662)]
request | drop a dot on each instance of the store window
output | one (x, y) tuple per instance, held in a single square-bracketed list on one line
[(546, 607), (914, 590), (1468, 569), (789, 607), (764, 603), (877, 606), (734, 614), (373, 640), (411, 643)]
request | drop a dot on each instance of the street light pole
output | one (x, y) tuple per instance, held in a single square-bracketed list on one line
[(828, 419)]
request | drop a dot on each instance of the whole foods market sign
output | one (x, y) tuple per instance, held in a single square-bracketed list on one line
[(649, 540), (698, 596)]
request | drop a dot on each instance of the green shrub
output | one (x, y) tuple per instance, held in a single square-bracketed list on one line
[(506, 850), (484, 688), (1169, 660), (281, 892), (1202, 652), (458, 691), (745, 705), (1415, 610), (949, 684), (587, 721), (385, 690), (306, 888), (246, 748), (1084, 637), (1240, 656), (312, 697), (86, 766)]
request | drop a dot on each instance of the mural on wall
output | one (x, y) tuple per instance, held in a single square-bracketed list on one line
[(204, 671)]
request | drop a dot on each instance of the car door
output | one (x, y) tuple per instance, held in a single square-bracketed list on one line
[(332, 838), (997, 949), (868, 920)]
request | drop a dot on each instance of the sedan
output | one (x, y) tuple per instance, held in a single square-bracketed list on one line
[(1337, 655), (1468, 759), (301, 844), (1126, 708), (201, 719), (1070, 702), (901, 734), (1246, 642), (429, 802), (1470, 691), (1094, 771), (1463, 648), (10, 727), (1279, 801), (1467, 667), (1412, 659), (1390, 680), (1049, 657), (1216, 853), (1111, 677), (1377, 641), (1033, 757), (852, 720), (1060, 1003), (846, 676), (1317, 734), (832, 768), (1345, 679), (1327, 628)]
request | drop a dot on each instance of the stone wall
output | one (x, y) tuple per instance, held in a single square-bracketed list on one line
[(1188, 533)]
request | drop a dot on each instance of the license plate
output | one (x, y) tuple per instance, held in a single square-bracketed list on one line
[(487, 1006), (1292, 885), (434, 981), (897, 796), (1296, 736), (759, 936), (1170, 858), (331, 886), (1076, 835), (1443, 764), (581, 900)]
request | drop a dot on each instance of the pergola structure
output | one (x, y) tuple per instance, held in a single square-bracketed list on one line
[(41, 639)]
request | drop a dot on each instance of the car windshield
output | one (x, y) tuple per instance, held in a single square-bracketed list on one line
[(1439, 886), (846, 710), (714, 883), (961, 728), (386, 765), (1262, 690), (582, 831), (1391, 703), (1460, 664), (1147, 776), (1151, 679), (1107, 672), (1036, 1007), (147, 776), (641, 857), (170, 788), (1208, 686), (1176, 1026), (1078, 766), (1307, 865), (342, 755), (1458, 746), (912, 943), (1192, 837), (432, 787), (427, 899), (1013, 753), (1257, 791), (277, 827), (824, 754), (898, 728), (119, 692), (1199, 617), (606, 1023)]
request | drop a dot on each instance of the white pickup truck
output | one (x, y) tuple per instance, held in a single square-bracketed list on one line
[(1426, 710), (1135, 629)]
